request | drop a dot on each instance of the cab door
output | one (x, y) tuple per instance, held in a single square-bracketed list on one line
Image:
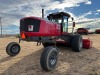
[(65, 24)]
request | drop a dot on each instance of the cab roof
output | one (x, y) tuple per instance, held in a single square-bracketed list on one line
[(59, 14)]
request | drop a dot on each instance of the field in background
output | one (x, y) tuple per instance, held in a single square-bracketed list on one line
[(26, 62)]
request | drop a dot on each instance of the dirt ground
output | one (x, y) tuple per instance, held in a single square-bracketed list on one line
[(26, 62)]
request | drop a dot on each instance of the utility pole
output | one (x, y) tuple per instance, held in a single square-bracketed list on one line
[(1, 26)]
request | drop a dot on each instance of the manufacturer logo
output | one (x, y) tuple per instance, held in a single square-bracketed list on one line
[(30, 28)]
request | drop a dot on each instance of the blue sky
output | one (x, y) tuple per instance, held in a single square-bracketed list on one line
[(85, 12)]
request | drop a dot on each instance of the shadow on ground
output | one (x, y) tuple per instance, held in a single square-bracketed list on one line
[(69, 63)]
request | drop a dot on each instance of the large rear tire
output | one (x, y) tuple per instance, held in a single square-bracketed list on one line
[(48, 58), (13, 49), (77, 43)]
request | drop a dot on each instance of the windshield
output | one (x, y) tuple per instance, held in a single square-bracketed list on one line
[(56, 20), (63, 20)]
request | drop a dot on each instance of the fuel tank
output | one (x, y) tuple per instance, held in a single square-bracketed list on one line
[(34, 26), (87, 43)]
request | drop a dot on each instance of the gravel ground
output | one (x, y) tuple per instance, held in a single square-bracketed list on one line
[(26, 62)]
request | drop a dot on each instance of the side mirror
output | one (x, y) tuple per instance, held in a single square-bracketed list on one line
[(73, 24)]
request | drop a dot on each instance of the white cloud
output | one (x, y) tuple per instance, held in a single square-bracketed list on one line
[(82, 21), (12, 11), (88, 2), (98, 10), (88, 23), (89, 13), (66, 4), (81, 17), (96, 13)]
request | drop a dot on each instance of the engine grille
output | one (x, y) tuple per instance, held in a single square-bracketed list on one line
[(24, 23)]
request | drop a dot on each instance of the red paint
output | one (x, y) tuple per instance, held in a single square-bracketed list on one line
[(61, 42), (97, 31), (87, 43), (82, 30), (47, 28)]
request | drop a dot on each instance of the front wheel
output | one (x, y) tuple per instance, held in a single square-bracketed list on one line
[(13, 49), (77, 43), (48, 58)]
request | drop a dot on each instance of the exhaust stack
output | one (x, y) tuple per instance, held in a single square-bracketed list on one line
[(43, 13)]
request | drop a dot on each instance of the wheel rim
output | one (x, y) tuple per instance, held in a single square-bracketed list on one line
[(53, 59), (15, 49)]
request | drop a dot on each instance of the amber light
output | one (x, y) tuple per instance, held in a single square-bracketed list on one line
[(23, 35)]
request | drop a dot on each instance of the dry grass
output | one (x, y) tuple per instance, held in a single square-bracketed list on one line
[(26, 62)]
